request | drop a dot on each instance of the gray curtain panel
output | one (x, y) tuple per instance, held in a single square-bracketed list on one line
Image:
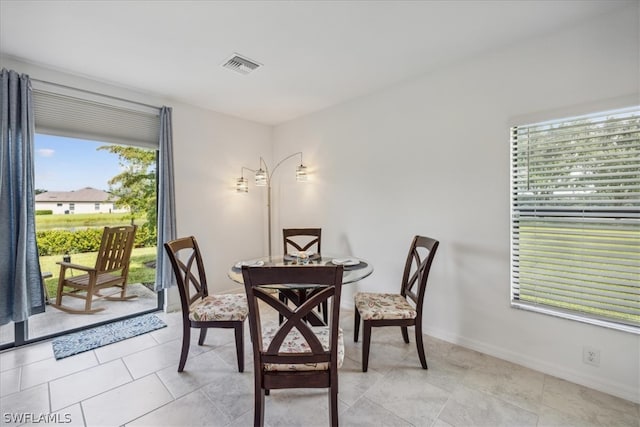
[(166, 201), (21, 292)]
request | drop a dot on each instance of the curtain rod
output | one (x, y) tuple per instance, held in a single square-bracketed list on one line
[(95, 93)]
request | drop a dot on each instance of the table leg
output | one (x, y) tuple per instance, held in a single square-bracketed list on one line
[(311, 317)]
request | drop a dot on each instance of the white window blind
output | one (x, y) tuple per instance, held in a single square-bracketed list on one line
[(575, 216), (64, 111)]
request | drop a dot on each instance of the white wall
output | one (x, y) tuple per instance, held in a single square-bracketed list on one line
[(209, 149), (431, 156)]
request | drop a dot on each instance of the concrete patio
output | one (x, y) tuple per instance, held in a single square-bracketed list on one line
[(55, 321)]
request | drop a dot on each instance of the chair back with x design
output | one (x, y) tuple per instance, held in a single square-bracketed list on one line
[(302, 239), (416, 270), (190, 273)]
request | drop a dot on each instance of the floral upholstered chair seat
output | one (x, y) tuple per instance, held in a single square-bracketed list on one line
[(296, 343), (383, 306), (219, 307)]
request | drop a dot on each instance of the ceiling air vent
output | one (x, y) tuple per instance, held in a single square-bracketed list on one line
[(241, 64)]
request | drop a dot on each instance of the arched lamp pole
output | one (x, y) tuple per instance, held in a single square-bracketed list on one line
[(263, 179)]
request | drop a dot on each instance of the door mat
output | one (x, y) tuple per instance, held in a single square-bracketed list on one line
[(93, 338)]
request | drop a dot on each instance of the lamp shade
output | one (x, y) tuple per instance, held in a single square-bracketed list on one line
[(261, 178), (301, 173), (242, 185)]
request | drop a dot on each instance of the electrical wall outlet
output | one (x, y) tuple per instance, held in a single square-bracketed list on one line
[(591, 356)]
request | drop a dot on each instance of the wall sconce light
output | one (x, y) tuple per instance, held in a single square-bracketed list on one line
[(263, 179)]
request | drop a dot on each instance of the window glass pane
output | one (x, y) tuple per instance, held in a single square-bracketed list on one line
[(93, 180)]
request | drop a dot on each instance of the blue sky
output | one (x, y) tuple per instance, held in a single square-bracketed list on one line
[(65, 164)]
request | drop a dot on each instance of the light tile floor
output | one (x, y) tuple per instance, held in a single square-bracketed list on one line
[(135, 383)]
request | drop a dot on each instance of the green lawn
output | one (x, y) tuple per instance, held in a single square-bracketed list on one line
[(61, 221), (138, 272)]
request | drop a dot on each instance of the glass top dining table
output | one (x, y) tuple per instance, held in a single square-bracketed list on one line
[(354, 268)]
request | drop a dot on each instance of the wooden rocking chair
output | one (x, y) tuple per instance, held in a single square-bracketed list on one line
[(111, 270)]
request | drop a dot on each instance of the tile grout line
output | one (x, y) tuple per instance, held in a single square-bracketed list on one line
[(157, 408)]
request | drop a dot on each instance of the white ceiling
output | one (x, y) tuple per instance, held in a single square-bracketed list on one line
[(315, 53)]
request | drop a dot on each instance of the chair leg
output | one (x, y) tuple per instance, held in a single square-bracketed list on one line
[(87, 304), (356, 325), (333, 405), (239, 332), (258, 411), (420, 345), (59, 295), (186, 340), (405, 334), (60, 285), (203, 336), (366, 332)]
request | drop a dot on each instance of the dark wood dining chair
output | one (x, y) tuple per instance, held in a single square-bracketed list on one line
[(199, 309), (111, 270), (381, 309), (292, 353), (302, 239)]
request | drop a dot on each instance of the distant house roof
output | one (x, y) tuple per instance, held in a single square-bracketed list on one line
[(87, 194)]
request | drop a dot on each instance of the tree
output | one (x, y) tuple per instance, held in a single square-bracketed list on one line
[(39, 191), (135, 186)]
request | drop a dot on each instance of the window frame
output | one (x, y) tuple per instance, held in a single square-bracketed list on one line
[(585, 210)]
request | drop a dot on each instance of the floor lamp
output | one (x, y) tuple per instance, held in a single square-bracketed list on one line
[(263, 179)]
